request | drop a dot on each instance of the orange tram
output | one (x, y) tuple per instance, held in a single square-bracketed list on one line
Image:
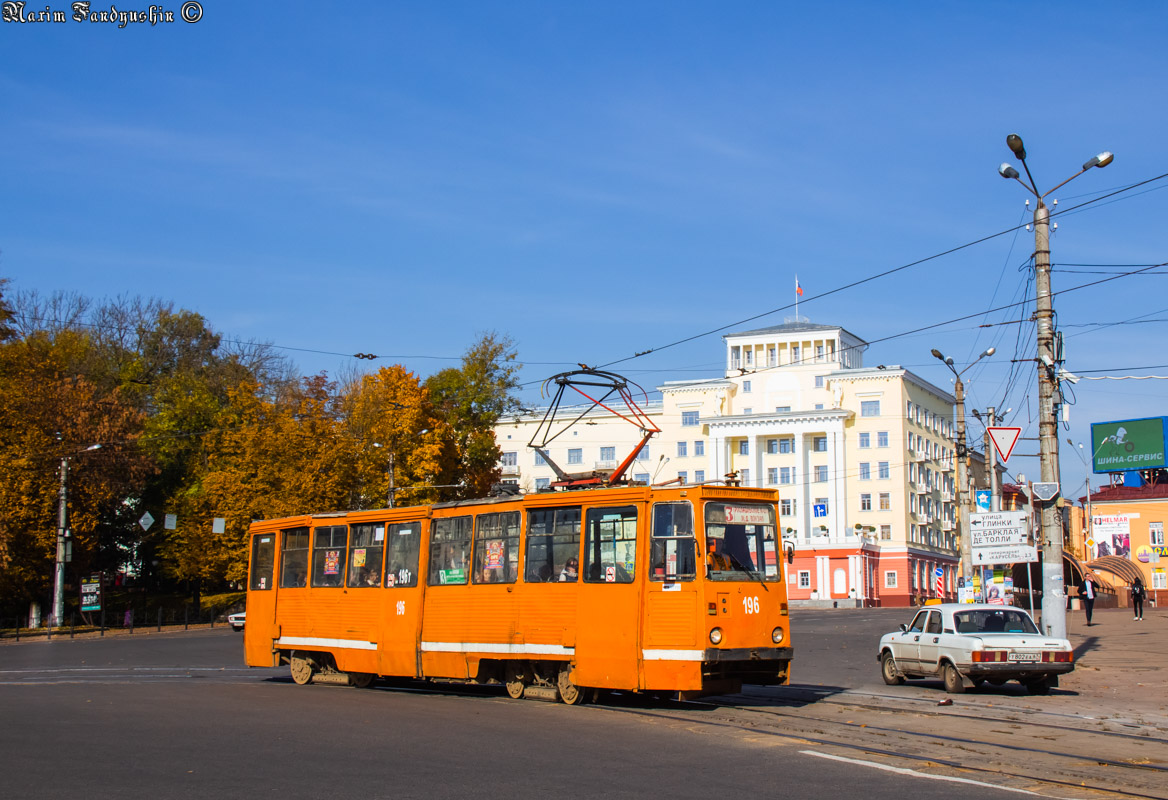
[(557, 595)]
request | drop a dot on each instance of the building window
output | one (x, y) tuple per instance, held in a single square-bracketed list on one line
[(865, 471), (641, 477), (542, 483), (746, 387), (885, 501), (885, 531), (787, 507), (1156, 534), (643, 453), (782, 409), (771, 360), (681, 449), (882, 439), (819, 406), (786, 445), (804, 579), (819, 444), (748, 357), (865, 502), (822, 501), (744, 474), (689, 419), (608, 454), (699, 475), (870, 408), (699, 448), (576, 455), (509, 459), (865, 440), (772, 476), (540, 461), (683, 477), (821, 473), (883, 471), (795, 354), (744, 447), (818, 381), (748, 410), (889, 580), (786, 475), (1159, 578), (772, 446)]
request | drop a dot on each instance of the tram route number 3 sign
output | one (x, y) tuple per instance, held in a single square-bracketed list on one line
[(747, 515)]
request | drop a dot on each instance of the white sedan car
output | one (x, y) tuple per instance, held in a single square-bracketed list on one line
[(966, 645), (237, 621)]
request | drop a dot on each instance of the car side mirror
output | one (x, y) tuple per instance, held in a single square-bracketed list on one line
[(904, 627), (790, 552)]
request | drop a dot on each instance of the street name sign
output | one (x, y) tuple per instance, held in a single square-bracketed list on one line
[(997, 529), (1004, 439), (1005, 554)]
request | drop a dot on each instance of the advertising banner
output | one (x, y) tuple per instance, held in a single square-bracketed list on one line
[(1112, 534), (1128, 444)]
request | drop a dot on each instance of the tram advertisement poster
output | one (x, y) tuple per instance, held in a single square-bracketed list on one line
[(332, 562), (495, 554), (91, 593), (359, 557)]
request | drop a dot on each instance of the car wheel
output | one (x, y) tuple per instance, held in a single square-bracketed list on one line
[(888, 670), (1038, 687), (953, 683), (237, 628)]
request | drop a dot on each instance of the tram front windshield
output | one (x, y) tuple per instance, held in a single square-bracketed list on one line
[(741, 542)]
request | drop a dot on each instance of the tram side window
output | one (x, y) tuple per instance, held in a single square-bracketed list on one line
[(553, 545), (294, 559), (367, 544), (328, 555), (610, 545), (671, 551), (263, 561), (401, 565), (496, 550), (449, 550)]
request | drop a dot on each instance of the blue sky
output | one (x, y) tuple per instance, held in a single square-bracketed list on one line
[(600, 179)]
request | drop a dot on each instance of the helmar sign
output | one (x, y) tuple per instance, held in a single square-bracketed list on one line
[(1128, 444)]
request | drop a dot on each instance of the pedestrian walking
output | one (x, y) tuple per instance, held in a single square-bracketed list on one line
[(1137, 594), (1087, 595)]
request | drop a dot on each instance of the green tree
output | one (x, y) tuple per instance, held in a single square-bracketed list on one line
[(471, 398)]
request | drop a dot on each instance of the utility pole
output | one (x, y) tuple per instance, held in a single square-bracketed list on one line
[(1054, 614), (963, 484), (62, 532), (392, 488), (991, 460)]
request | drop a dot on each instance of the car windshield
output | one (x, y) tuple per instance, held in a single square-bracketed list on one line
[(1004, 620), (740, 542)]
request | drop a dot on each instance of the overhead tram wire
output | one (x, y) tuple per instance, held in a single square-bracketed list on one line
[(883, 274)]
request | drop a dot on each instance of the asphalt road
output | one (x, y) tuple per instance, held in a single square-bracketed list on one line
[(178, 715)]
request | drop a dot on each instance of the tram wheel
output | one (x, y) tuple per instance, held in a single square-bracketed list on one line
[(361, 680), (302, 669), (515, 678), (570, 693)]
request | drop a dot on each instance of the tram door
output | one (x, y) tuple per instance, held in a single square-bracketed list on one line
[(260, 629), (672, 638), (402, 599), (607, 647)]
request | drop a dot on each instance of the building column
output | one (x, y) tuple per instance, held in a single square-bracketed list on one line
[(822, 577), (856, 576), (758, 443), (716, 457), (839, 473), (803, 485)]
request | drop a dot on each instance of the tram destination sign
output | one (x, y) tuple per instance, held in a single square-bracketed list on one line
[(997, 529)]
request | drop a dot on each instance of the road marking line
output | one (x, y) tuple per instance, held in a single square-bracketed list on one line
[(913, 773)]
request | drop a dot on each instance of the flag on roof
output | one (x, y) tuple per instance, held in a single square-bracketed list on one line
[(798, 288)]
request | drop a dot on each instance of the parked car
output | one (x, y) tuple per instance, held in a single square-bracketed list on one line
[(966, 645), (236, 621)]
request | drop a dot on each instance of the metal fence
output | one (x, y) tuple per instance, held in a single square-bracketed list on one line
[(120, 620)]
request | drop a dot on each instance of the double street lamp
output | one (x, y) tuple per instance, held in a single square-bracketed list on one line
[(1054, 615), (962, 460)]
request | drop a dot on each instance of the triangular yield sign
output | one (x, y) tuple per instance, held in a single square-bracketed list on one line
[(1004, 440)]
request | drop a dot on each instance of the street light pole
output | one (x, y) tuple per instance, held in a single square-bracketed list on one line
[(62, 531), (1054, 614), (962, 462)]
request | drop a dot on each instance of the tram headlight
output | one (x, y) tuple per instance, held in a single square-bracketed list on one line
[(716, 636), (777, 635)]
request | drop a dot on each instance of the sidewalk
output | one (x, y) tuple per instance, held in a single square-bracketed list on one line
[(1121, 665)]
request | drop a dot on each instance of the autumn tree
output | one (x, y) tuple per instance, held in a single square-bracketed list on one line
[(471, 398)]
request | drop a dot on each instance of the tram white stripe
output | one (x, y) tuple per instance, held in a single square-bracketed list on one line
[(313, 641), (913, 773), (673, 655), (487, 647)]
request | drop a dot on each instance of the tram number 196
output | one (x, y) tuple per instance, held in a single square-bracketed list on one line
[(750, 605)]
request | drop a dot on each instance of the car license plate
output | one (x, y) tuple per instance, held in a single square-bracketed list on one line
[(1023, 657)]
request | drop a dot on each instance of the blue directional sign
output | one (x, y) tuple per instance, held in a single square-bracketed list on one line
[(982, 498), (820, 509)]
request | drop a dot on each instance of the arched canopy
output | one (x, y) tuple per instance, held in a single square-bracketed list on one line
[(1117, 565)]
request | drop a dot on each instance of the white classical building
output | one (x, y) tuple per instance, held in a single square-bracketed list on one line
[(862, 457)]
